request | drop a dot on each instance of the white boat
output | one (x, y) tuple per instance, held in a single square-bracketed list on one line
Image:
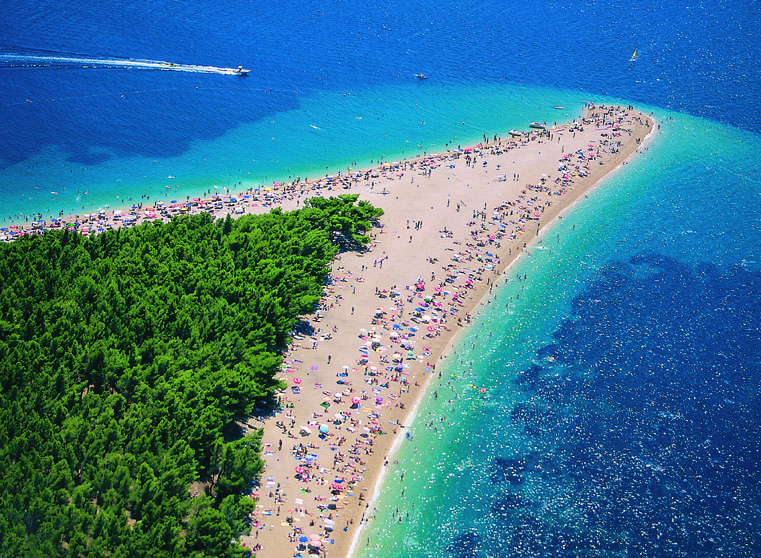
[(515, 133), (537, 125), (421, 76), (241, 71), (634, 56)]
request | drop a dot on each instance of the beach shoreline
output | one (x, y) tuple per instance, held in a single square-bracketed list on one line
[(454, 224), (249, 197), (478, 307), (299, 501)]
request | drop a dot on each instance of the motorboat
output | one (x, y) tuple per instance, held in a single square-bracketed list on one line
[(421, 76), (241, 71), (537, 125)]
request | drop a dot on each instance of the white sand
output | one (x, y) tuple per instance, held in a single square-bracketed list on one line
[(483, 209)]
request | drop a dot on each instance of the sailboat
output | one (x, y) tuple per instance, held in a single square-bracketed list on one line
[(634, 56)]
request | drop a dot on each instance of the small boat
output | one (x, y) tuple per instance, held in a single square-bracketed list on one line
[(241, 71), (634, 56), (558, 107), (515, 133), (537, 125), (421, 76)]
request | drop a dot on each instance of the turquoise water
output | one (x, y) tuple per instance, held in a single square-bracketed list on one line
[(621, 408), (309, 140), (620, 375)]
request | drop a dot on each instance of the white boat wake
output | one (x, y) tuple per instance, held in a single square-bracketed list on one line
[(9, 59)]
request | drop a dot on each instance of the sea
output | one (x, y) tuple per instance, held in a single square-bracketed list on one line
[(606, 400)]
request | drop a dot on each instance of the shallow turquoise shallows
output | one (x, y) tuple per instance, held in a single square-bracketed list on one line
[(620, 412), (620, 367)]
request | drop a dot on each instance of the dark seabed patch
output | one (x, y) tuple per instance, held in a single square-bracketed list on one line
[(646, 413), (508, 470), (464, 545)]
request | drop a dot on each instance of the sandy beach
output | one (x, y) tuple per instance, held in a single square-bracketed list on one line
[(454, 221)]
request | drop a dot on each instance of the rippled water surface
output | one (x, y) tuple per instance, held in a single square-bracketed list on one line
[(621, 369), (83, 136), (620, 411)]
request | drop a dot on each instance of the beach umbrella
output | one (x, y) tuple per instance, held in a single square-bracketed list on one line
[(299, 470), (297, 381), (303, 539), (324, 428)]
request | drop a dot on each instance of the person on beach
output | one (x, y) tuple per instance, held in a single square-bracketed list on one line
[(353, 450)]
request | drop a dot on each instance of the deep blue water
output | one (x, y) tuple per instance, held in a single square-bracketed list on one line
[(700, 59), (651, 399), (621, 414), (621, 367)]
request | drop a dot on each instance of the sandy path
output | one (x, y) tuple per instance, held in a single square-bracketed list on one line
[(490, 209)]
